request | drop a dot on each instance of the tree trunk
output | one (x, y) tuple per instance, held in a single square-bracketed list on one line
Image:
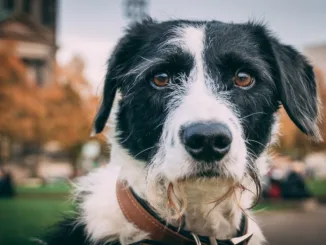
[(74, 160), (4, 149), (37, 160)]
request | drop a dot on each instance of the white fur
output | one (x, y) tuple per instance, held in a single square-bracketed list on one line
[(100, 209), (104, 219), (196, 101)]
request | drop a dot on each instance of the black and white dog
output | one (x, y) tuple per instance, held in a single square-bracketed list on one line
[(196, 108)]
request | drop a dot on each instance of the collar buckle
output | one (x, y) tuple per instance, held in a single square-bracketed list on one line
[(196, 238)]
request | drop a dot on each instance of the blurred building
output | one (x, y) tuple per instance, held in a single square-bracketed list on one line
[(135, 9), (32, 25)]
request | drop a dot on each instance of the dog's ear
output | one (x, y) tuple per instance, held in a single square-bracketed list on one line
[(119, 62), (111, 83), (297, 88), (103, 113), (109, 91)]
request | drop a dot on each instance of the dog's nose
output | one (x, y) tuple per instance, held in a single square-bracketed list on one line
[(206, 141)]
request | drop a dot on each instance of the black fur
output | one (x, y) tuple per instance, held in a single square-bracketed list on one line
[(283, 76), (69, 232)]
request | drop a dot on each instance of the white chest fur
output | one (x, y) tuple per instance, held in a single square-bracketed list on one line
[(101, 214)]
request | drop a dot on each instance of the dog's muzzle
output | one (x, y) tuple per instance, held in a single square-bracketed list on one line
[(206, 141)]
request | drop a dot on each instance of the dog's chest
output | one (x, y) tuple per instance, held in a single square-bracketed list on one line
[(203, 216)]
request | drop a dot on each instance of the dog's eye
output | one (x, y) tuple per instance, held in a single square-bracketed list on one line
[(243, 80), (161, 79)]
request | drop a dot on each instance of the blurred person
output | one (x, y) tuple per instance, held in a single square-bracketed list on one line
[(6, 184), (294, 186)]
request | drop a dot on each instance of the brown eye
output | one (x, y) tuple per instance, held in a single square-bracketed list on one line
[(243, 80), (161, 79)]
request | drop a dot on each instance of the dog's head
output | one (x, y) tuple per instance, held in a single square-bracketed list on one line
[(198, 99)]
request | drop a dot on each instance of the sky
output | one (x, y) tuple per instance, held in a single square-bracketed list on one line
[(92, 28)]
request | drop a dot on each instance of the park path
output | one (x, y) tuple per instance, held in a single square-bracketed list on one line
[(294, 227)]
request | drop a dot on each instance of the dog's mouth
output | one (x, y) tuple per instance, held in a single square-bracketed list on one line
[(205, 173)]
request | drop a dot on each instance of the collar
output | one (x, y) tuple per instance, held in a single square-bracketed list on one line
[(138, 212)]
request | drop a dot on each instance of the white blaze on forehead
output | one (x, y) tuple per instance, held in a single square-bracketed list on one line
[(191, 39)]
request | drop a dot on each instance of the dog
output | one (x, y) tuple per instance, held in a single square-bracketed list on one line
[(192, 109)]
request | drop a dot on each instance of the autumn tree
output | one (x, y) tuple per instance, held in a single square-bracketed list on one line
[(61, 111), (70, 108), (20, 110)]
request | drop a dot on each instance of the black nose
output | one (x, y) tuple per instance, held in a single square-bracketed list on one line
[(206, 141)]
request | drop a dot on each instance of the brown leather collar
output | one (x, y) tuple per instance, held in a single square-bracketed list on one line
[(160, 233)]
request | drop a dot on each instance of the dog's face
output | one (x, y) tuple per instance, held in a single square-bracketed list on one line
[(198, 99)]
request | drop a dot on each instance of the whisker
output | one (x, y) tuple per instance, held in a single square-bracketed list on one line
[(256, 142), (159, 125), (144, 150), (128, 136), (252, 114)]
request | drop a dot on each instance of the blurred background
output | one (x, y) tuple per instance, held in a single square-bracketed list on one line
[(52, 63)]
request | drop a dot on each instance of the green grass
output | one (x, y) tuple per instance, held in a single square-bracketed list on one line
[(35, 209), (61, 187), (22, 218), (31, 212), (317, 187)]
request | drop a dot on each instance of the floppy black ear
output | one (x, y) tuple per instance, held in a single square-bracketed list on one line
[(110, 88), (297, 88), (120, 61)]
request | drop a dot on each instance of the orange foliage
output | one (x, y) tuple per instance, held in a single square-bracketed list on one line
[(19, 100), (67, 118), (29, 113)]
